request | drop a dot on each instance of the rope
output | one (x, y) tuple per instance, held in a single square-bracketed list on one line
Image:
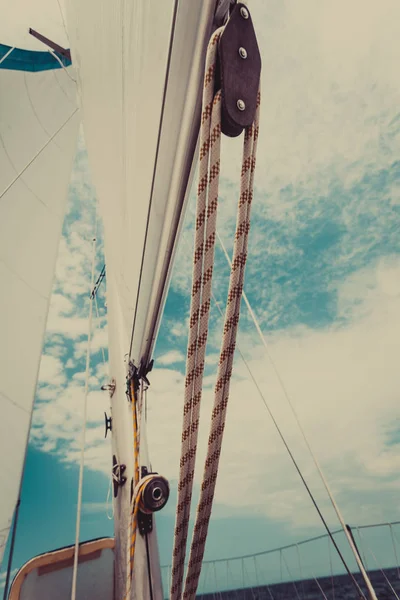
[(137, 492), (225, 363), (206, 215), (137, 505), (210, 136), (83, 439), (313, 456), (221, 392)]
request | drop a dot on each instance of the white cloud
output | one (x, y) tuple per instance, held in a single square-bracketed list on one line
[(73, 265), (343, 382), (98, 342), (70, 327), (3, 577), (96, 507), (60, 422), (170, 358), (179, 329), (331, 94), (61, 305), (51, 370), (344, 385)]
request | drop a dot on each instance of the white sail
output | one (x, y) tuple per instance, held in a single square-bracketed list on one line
[(38, 129), (138, 67), (139, 71)]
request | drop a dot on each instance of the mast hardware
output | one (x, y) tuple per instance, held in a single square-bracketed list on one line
[(238, 79), (155, 497), (144, 370), (66, 53), (107, 423), (98, 282), (222, 11), (145, 522), (137, 375), (109, 387), (118, 477)]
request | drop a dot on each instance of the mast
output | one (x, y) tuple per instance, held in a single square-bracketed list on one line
[(139, 75)]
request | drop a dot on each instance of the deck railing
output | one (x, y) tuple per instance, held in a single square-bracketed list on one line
[(313, 560)]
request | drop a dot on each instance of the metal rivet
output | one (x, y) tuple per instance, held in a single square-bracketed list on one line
[(244, 12), (242, 52), (240, 104)]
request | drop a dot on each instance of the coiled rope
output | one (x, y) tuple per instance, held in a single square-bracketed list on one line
[(206, 216)]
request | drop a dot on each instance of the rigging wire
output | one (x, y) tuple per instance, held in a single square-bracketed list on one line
[(320, 587), (382, 571), (291, 576), (99, 280), (98, 321), (331, 568), (280, 433), (300, 570), (278, 429), (84, 420), (362, 549), (13, 536), (109, 516), (313, 456)]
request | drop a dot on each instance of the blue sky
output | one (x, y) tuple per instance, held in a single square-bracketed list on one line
[(323, 278)]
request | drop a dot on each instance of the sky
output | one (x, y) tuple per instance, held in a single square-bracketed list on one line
[(323, 277)]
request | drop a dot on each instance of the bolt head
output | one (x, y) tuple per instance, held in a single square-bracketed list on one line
[(240, 104), (242, 52), (244, 12)]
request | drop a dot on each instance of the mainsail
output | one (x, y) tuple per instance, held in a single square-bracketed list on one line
[(138, 70), (38, 127)]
